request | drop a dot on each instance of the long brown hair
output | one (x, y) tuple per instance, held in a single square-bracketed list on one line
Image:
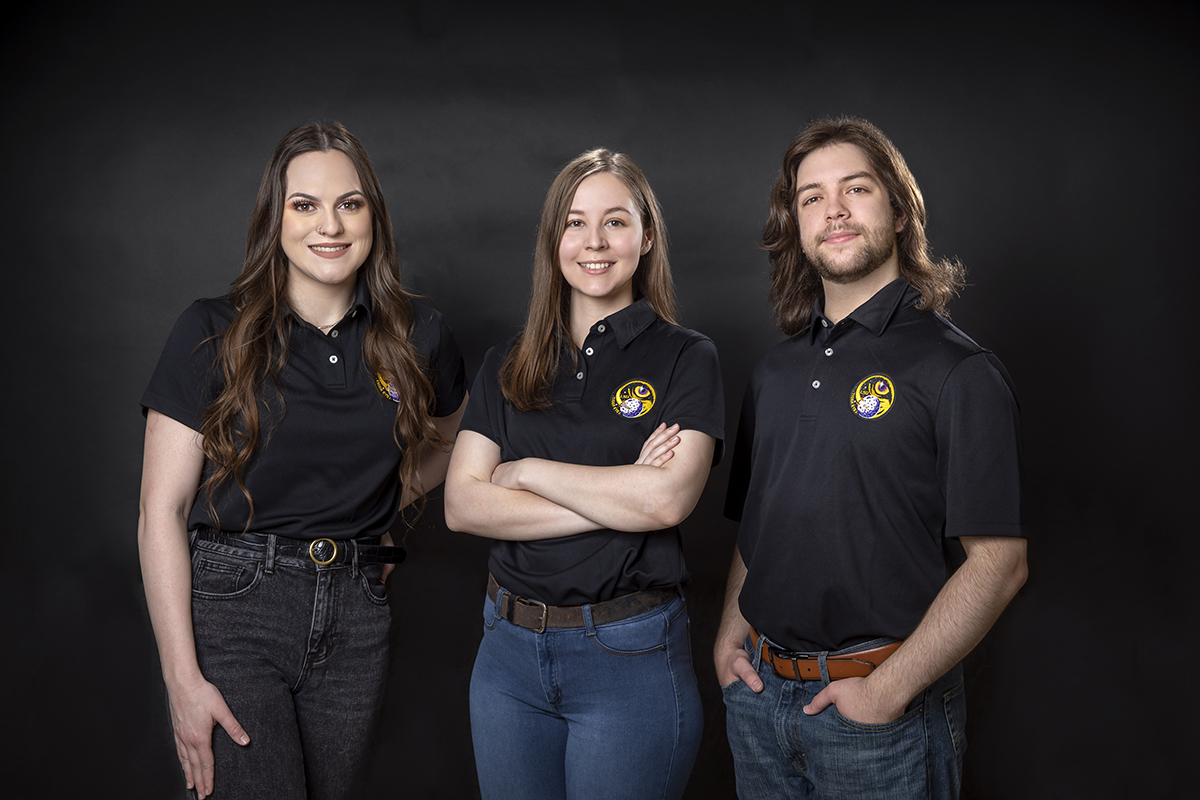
[(528, 372), (794, 282), (254, 348)]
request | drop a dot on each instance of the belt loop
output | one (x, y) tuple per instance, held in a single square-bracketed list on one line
[(270, 553), (353, 545), (588, 625), (824, 667), (192, 537)]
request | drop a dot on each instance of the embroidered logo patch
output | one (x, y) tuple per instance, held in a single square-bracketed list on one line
[(873, 396), (633, 399), (386, 389)]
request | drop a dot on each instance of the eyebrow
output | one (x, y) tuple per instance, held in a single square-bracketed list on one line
[(307, 196), (852, 177), (612, 210)]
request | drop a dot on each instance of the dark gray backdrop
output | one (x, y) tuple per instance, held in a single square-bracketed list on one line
[(1056, 147)]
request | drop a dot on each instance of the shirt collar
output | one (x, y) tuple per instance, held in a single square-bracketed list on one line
[(630, 321), (875, 314), (362, 300)]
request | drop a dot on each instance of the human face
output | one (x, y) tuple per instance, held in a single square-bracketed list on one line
[(602, 242), (326, 232), (847, 227)]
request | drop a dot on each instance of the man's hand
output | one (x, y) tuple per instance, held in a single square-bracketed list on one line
[(855, 698), (733, 663)]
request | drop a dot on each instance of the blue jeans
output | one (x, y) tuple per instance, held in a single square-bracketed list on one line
[(300, 653), (780, 752), (608, 711)]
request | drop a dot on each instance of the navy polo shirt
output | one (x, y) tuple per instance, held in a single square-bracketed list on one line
[(633, 372), (862, 446), (327, 463)]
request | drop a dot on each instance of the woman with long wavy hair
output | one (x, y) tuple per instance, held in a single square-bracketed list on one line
[(287, 423), (587, 440)]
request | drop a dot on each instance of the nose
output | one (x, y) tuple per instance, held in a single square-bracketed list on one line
[(330, 223), (835, 208), (595, 238)]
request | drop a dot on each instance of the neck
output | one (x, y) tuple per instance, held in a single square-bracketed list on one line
[(842, 298), (587, 311), (321, 307)]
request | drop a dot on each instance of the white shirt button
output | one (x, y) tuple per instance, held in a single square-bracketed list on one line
[(600, 328), (816, 384), (828, 350), (589, 351), (824, 323), (578, 376), (333, 334), (333, 359)]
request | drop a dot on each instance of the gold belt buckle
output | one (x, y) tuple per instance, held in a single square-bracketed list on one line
[(312, 551)]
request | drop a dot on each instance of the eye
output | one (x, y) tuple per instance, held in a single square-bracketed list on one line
[(303, 206), (574, 223), (857, 189), (353, 205), (616, 223), (808, 201)]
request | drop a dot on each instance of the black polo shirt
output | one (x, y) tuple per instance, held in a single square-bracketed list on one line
[(327, 464), (633, 372), (862, 446)]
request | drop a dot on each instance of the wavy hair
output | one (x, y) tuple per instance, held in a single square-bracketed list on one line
[(529, 371), (253, 351), (794, 282)]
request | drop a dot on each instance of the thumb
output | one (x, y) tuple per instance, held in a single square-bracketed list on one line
[(226, 719), (822, 701)]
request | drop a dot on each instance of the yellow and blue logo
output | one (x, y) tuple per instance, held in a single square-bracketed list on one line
[(872, 397), (386, 389), (633, 399)]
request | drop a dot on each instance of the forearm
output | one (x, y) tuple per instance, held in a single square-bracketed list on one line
[(734, 629), (166, 574), (484, 509), (633, 497), (959, 617)]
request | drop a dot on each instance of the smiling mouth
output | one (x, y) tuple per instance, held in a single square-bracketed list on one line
[(332, 248), (596, 266)]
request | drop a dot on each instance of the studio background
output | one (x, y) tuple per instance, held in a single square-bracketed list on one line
[(1056, 149)]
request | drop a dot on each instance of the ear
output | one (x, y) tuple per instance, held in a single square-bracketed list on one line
[(647, 241), (901, 222)]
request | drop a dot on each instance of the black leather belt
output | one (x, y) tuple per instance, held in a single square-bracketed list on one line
[(320, 551)]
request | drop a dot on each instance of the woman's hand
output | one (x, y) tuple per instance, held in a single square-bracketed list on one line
[(195, 709), (660, 447)]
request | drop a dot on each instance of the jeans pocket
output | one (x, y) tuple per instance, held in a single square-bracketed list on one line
[(373, 588), (633, 637), (955, 702), (218, 575)]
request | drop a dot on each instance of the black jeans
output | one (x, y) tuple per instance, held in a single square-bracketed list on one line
[(300, 652)]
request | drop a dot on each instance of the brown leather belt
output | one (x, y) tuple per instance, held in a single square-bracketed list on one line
[(859, 664), (537, 616)]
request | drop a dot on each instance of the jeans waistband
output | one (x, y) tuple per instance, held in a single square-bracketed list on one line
[(322, 552)]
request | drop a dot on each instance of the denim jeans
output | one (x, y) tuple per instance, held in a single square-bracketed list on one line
[(608, 711), (300, 653), (780, 752)]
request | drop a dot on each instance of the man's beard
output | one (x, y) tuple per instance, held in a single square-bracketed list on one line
[(877, 247)]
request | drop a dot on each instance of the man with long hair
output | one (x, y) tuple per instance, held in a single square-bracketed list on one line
[(877, 445)]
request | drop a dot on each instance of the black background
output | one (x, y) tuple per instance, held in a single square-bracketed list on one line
[(1056, 146)]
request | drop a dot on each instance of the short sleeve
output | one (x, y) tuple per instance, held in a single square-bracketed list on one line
[(486, 402), (739, 468), (434, 338), (696, 400), (184, 383), (979, 450)]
